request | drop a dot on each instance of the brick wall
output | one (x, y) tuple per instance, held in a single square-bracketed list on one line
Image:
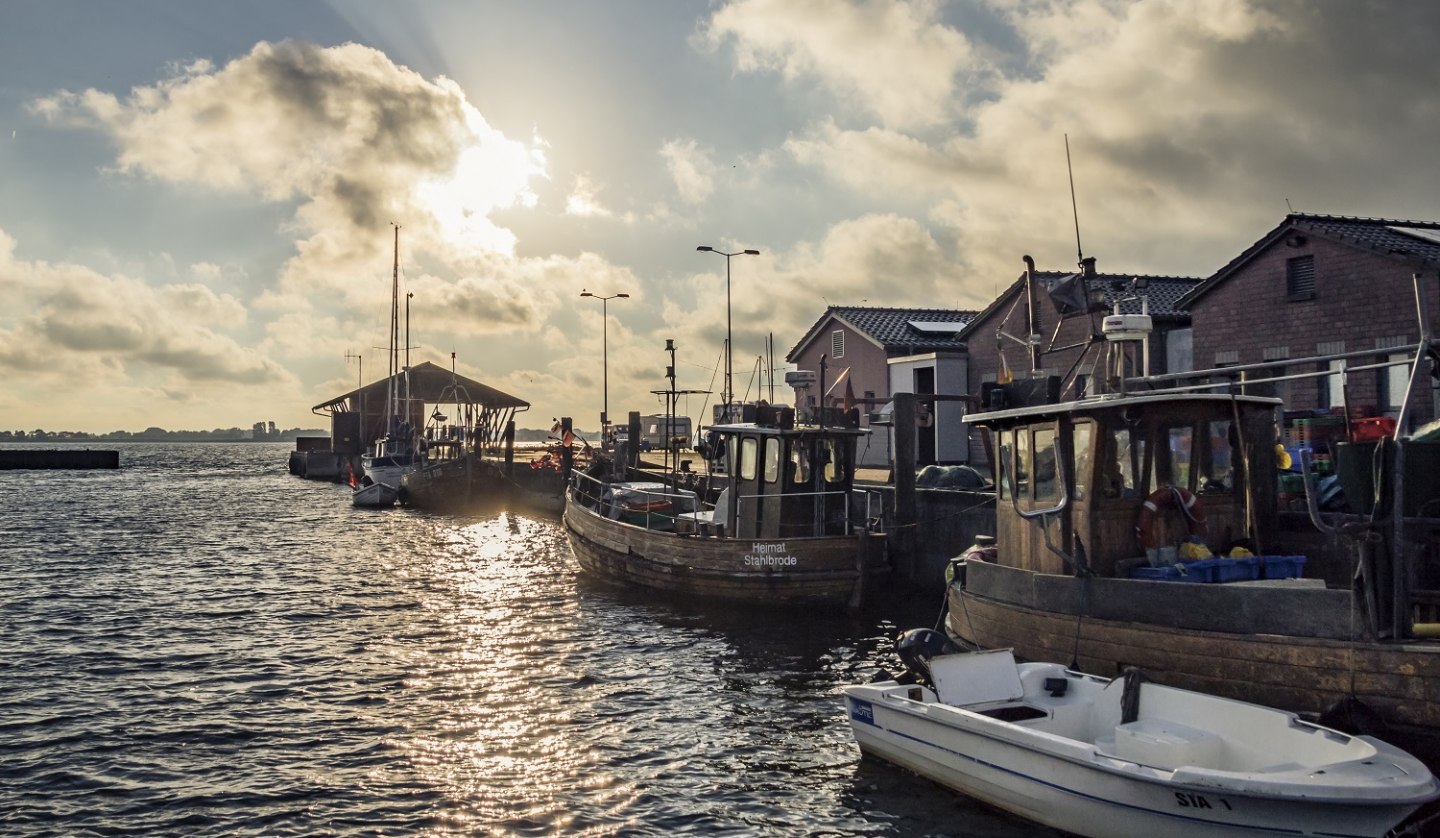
[(1363, 300)]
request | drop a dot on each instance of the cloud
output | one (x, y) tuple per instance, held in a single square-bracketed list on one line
[(353, 140), (98, 328), (691, 168), (894, 60), (583, 200)]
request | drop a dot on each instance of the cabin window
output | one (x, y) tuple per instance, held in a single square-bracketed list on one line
[(1218, 471), (1022, 464), (1178, 454), (749, 457), (1007, 467), (836, 468), (1120, 463), (772, 460), (800, 460), (1047, 486), (1082, 435)]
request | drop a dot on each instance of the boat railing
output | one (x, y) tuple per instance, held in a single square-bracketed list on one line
[(593, 495)]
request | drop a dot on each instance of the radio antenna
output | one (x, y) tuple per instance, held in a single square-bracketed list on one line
[(1079, 253)]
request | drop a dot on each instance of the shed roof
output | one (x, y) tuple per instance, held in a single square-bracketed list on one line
[(432, 384), (1417, 242), (908, 330)]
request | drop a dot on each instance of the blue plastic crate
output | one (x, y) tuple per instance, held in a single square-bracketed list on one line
[(1221, 570), (1282, 567), (1161, 574)]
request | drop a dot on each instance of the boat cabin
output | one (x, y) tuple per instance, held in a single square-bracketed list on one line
[(786, 482), (1088, 486)]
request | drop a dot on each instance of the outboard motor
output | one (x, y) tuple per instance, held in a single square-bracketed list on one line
[(916, 647)]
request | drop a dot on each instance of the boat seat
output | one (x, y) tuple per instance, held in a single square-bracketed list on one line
[(710, 520), (988, 677)]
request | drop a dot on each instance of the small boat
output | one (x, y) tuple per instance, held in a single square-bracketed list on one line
[(774, 526), (376, 496), (1126, 757)]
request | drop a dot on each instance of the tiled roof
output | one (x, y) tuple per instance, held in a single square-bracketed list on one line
[(892, 329), (1414, 241)]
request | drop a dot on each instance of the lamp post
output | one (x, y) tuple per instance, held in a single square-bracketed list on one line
[(729, 340), (604, 355)]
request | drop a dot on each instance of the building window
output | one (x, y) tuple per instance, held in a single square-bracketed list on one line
[(837, 344), (1179, 350), (1394, 380), (1300, 278)]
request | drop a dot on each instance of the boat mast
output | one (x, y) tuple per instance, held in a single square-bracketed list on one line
[(394, 338)]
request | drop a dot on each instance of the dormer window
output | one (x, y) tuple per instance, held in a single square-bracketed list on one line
[(1300, 278)]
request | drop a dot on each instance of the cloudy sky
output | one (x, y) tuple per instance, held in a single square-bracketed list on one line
[(197, 199)]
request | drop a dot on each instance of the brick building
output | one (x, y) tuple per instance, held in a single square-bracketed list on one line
[(1320, 285)]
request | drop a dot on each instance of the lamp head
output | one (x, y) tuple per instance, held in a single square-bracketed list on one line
[(752, 253), (626, 296), (586, 294), (705, 247)]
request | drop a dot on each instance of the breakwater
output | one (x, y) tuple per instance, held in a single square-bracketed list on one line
[(66, 458)]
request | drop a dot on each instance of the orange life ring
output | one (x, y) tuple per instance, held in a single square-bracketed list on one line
[(1166, 496)]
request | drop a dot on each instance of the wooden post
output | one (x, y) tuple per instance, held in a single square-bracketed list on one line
[(510, 448), (632, 452), (567, 457), (903, 538)]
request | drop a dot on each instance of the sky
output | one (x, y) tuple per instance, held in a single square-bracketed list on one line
[(198, 200)]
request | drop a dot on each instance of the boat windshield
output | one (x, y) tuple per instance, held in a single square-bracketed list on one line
[(800, 458)]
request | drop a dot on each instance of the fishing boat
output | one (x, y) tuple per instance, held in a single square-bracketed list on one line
[(394, 454), (1125, 757), (1140, 526), (775, 526), (376, 496)]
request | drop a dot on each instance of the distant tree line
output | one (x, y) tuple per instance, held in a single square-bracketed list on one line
[(260, 432)]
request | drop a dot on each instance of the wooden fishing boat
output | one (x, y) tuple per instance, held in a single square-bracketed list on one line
[(1099, 496), (1100, 757), (777, 526)]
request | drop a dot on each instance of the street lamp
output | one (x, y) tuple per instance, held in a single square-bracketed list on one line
[(729, 340), (604, 353)]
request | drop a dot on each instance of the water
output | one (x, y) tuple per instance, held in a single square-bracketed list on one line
[(201, 644)]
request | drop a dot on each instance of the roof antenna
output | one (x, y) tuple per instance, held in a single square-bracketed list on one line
[(1289, 208), (1079, 254)]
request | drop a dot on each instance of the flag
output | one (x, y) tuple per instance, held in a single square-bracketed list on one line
[(1004, 377), (849, 396)]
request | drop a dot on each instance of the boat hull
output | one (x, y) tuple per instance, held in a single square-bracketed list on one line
[(1066, 785), (1231, 640), (825, 570), (376, 496)]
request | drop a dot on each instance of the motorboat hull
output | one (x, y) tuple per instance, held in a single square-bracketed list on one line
[(1230, 640), (376, 496), (1128, 757)]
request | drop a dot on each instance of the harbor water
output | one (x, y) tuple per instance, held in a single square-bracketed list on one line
[(202, 644)]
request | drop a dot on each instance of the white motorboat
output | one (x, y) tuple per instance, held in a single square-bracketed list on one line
[(1124, 757), (376, 495)]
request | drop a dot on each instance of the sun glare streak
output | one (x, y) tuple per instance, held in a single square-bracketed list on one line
[(492, 172), (503, 708)]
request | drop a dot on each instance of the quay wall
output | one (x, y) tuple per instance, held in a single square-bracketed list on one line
[(27, 458)]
